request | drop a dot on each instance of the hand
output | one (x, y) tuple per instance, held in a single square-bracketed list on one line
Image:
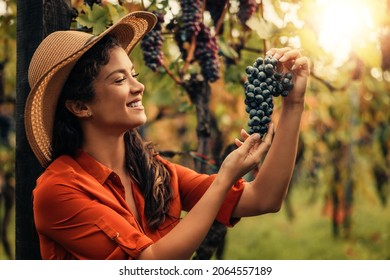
[(299, 65), (248, 154)]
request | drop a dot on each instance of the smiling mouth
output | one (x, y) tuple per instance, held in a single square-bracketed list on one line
[(135, 104)]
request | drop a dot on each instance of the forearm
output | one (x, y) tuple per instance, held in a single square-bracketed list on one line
[(275, 174), (185, 238), (267, 191)]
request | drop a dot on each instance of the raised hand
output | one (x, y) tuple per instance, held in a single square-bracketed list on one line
[(293, 61), (248, 154)]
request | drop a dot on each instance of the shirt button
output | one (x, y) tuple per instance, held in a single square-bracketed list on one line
[(115, 237)]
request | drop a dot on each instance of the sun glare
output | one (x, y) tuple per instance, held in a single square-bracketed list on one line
[(343, 25)]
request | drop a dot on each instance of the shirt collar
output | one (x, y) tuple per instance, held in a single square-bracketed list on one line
[(99, 171)]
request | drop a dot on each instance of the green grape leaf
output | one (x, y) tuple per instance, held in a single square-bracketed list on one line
[(95, 18), (263, 28), (226, 49), (115, 12)]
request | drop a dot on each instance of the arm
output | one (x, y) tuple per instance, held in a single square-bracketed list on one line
[(267, 191), (185, 238)]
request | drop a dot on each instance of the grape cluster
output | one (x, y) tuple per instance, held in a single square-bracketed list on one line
[(264, 82), (206, 51), (151, 44), (192, 12), (246, 9)]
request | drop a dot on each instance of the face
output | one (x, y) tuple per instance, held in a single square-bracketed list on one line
[(117, 105)]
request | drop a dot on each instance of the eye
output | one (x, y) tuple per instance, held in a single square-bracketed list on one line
[(120, 80), (135, 75)]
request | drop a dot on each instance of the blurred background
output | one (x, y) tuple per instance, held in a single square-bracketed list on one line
[(337, 206)]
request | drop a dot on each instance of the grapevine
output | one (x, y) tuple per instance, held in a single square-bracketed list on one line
[(264, 82), (207, 53), (215, 9), (188, 25), (152, 43), (246, 9), (192, 12)]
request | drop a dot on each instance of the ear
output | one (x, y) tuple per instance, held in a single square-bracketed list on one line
[(78, 108)]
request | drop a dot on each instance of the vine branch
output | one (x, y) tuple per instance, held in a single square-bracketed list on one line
[(222, 18)]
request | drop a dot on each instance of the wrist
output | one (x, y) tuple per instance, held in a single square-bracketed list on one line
[(296, 106), (223, 182)]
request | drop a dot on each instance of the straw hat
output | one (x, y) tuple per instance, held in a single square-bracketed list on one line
[(51, 64)]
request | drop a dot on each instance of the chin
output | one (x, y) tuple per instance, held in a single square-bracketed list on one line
[(141, 122)]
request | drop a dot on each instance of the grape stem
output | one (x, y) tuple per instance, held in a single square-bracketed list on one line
[(328, 84), (170, 73), (221, 19), (190, 54), (251, 49), (262, 15)]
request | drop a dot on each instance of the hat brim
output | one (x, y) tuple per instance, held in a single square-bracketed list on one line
[(42, 100)]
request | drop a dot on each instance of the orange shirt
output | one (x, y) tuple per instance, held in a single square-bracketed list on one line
[(80, 210)]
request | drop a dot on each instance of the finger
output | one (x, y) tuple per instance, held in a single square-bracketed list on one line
[(270, 134), (290, 55), (244, 134), (250, 142), (238, 142), (266, 143), (278, 52), (303, 64)]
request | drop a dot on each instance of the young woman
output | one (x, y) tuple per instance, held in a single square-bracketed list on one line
[(105, 193)]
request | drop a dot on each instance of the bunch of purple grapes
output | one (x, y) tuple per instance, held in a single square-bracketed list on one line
[(192, 12), (151, 44), (206, 51), (264, 82), (246, 9)]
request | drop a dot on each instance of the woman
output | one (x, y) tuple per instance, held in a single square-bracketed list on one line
[(105, 194)]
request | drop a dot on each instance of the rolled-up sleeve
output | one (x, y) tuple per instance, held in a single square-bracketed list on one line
[(193, 185)]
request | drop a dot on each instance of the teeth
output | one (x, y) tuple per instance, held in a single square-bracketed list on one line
[(135, 104)]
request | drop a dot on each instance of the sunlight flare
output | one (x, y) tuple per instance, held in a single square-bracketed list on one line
[(344, 24)]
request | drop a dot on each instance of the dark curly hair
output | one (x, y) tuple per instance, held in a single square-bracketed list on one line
[(148, 172)]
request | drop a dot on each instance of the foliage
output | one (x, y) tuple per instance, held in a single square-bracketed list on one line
[(8, 48), (344, 123), (98, 17), (345, 136)]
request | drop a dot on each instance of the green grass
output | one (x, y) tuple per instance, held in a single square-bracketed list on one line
[(309, 235)]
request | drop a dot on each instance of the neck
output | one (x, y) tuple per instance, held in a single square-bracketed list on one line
[(107, 149)]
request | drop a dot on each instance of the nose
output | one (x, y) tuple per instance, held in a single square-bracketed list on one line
[(136, 87)]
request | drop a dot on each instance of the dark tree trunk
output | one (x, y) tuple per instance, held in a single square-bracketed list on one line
[(2, 85), (35, 20), (199, 92)]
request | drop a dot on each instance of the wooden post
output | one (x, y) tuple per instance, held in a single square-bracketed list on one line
[(35, 20)]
